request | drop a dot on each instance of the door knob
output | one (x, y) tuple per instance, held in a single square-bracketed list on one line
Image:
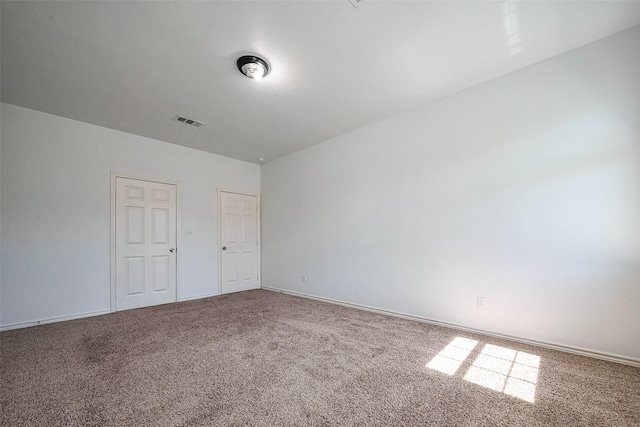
[(224, 248), (172, 250)]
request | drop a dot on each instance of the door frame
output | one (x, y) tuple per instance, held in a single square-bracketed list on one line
[(112, 243), (258, 232)]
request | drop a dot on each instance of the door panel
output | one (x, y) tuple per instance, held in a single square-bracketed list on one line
[(248, 261), (232, 266), (146, 231), (160, 226), (239, 242), (161, 273), (135, 275), (135, 225)]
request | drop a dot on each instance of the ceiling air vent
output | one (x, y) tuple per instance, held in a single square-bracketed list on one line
[(189, 121)]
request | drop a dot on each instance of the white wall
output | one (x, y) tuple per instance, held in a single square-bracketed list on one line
[(0, 216), (524, 190), (56, 211)]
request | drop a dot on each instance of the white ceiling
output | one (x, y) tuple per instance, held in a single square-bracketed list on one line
[(133, 66)]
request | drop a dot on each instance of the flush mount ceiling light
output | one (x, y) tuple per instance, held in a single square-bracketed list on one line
[(252, 66)]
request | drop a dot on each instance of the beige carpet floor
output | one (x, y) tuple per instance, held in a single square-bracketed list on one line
[(261, 358)]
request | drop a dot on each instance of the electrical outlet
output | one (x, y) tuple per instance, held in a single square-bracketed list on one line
[(304, 278), (480, 301)]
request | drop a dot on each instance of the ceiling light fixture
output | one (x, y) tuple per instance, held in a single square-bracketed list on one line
[(253, 66)]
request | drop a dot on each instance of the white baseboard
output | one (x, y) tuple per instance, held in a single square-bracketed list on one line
[(553, 346), (213, 294), (52, 320), (82, 315)]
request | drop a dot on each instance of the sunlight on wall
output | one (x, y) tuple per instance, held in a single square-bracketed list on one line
[(449, 360), (511, 27), (498, 368)]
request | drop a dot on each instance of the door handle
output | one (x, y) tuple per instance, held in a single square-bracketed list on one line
[(172, 250), (224, 248)]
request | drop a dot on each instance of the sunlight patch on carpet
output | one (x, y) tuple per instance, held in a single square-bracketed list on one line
[(451, 357), (506, 370)]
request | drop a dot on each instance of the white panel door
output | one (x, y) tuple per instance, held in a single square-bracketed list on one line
[(239, 241), (145, 243)]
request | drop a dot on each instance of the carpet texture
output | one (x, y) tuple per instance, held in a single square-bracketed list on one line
[(261, 358)]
